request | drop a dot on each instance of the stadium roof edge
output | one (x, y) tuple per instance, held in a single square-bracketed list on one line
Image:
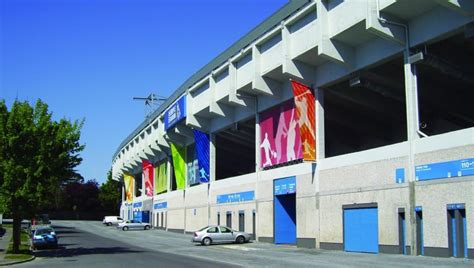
[(288, 9)]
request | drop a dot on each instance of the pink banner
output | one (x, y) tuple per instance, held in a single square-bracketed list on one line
[(280, 139), (148, 177)]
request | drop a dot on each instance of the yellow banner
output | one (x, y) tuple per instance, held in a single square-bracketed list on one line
[(161, 178), (129, 181), (179, 164)]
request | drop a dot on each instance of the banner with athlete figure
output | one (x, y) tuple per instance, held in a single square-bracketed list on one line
[(280, 140)]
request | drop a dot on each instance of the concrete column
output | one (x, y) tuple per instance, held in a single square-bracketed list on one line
[(212, 171), (212, 157), (411, 93), (257, 163), (319, 109), (320, 151)]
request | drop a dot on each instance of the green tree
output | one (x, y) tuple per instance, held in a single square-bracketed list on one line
[(36, 155), (110, 194)]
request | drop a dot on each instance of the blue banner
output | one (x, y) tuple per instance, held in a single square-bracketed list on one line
[(202, 154), (457, 168), (137, 205), (175, 113), (160, 205), (285, 186), (236, 197)]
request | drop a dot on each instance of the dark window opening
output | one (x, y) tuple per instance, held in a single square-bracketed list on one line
[(445, 82), (138, 184), (235, 150), (367, 110)]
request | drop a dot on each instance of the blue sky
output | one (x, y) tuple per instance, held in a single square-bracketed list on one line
[(89, 58)]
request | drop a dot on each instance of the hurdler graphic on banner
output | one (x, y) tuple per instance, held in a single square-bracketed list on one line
[(148, 177), (280, 140), (129, 182), (304, 102), (202, 154)]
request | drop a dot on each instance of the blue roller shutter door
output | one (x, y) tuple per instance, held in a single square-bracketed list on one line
[(361, 230)]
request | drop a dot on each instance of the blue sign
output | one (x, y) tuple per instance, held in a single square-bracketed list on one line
[(161, 205), (202, 154), (236, 197), (400, 175), (285, 186), (418, 208), (457, 168), (456, 206), (175, 113), (137, 205)]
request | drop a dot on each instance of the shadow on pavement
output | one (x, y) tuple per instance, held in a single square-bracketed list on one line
[(72, 252), (2, 231)]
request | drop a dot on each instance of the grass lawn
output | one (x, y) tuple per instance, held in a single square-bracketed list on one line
[(24, 253)]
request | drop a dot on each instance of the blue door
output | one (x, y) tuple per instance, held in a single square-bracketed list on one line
[(285, 219), (361, 230)]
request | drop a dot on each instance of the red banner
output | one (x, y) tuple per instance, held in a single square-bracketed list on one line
[(305, 111), (148, 177)]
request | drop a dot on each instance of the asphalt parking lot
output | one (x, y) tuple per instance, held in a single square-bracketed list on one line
[(256, 254)]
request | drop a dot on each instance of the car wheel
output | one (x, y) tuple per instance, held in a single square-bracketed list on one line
[(240, 239), (206, 241), (109, 224), (147, 227), (125, 228)]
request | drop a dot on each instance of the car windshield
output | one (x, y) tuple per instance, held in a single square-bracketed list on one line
[(202, 229), (43, 231)]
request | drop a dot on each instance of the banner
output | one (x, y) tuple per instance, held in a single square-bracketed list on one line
[(148, 177), (175, 113), (192, 167), (128, 182), (161, 178), (280, 139), (305, 111), (201, 140), (179, 165)]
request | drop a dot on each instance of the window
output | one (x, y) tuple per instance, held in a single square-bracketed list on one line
[(225, 229), (213, 230)]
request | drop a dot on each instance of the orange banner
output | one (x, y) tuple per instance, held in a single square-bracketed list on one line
[(305, 111)]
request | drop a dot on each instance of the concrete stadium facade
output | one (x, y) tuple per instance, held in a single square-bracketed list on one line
[(394, 130)]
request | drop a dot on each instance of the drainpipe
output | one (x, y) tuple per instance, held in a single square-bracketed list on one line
[(413, 130)]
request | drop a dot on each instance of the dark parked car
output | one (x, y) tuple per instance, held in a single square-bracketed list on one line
[(44, 237)]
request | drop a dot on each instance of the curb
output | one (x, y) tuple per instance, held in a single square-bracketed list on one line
[(18, 262)]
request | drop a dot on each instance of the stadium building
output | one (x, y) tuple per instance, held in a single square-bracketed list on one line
[(341, 125)]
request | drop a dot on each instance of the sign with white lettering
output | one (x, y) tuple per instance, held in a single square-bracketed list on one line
[(457, 168), (236, 197), (175, 113)]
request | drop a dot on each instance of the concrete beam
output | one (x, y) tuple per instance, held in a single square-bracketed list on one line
[(197, 122), (331, 49), (184, 131), (384, 30)]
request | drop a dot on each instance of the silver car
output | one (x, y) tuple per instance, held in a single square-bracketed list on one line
[(219, 234), (133, 225)]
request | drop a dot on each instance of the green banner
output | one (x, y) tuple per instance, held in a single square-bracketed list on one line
[(161, 177), (179, 165)]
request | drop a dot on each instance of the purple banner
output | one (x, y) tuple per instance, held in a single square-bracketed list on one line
[(280, 139)]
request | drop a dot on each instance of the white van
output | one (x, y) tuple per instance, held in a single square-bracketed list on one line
[(112, 220)]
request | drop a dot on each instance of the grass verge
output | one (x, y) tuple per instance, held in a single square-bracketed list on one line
[(24, 252)]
